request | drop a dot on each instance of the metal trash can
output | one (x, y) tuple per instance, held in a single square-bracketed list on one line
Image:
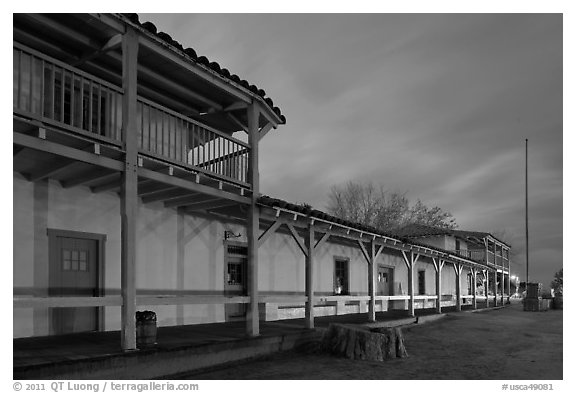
[(146, 329)]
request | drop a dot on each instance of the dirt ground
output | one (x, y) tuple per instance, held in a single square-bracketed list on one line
[(504, 344)]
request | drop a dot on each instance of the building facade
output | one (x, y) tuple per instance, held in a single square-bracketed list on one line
[(136, 187)]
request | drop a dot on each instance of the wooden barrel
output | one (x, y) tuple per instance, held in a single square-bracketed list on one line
[(146, 333)]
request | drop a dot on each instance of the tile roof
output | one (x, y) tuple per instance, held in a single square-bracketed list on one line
[(191, 54), (309, 211), (419, 230)]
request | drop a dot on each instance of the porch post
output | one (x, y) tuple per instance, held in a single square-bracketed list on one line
[(502, 285), (458, 270), (508, 281), (474, 300), (495, 285), (487, 287), (438, 266), (252, 315), (372, 284), (129, 190), (410, 260), (309, 242)]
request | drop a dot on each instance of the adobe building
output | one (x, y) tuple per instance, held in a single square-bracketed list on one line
[(136, 187)]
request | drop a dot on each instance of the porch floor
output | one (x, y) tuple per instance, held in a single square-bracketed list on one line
[(47, 351)]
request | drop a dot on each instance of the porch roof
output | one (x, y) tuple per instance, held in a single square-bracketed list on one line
[(213, 66), (419, 230), (314, 213)]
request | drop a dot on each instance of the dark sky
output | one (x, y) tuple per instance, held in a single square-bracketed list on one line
[(435, 105)]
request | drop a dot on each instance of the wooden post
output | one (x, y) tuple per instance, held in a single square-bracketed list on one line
[(129, 190), (309, 242), (252, 314), (458, 271), (495, 288), (474, 300), (410, 262), (372, 284), (438, 265), (487, 287), (508, 281)]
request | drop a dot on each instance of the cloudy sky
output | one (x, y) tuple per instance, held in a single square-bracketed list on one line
[(435, 105)]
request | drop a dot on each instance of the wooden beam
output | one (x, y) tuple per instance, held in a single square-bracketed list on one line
[(72, 301), (458, 270), (378, 251), (410, 282), (438, 264), (321, 241), (192, 186), (93, 175), (297, 238), (160, 300), (113, 43), (51, 170), (114, 184), (367, 256), (268, 232), (65, 151), (309, 281), (16, 150), (474, 299), (190, 200), (149, 189), (235, 106), (372, 265), (407, 258), (209, 205), (238, 122), (180, 61), (167, 195), (253, 227), (72, 35), (264, 130), (129, 189)]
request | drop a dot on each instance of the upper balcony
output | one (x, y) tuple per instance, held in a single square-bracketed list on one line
[(479, 255), (191, 120)]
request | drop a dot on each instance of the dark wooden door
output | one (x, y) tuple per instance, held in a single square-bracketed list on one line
[(384, 281), (73, 272), (235, 283)]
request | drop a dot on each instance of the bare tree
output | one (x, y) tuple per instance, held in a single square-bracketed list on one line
[(374, 206)]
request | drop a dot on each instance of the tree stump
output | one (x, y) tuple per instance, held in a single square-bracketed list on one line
[(359, 344)]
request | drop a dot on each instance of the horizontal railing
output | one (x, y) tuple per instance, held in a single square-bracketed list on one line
[(56, 93), (169, 134), (475, 255)]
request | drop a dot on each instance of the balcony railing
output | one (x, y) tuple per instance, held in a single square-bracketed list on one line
[(56, 93), (168, 134), (475, 255), (53, 92)]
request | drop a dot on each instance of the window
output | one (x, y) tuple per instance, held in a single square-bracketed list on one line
[(421, 282), (74, 260), (235, 274), (341, 276), (457, 244)]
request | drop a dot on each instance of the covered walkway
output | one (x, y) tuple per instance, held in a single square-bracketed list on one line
[(179, 349)]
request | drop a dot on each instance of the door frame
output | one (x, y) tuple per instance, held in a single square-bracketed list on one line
[(336, 259), (391, 270), (100, 263), (227, 254)]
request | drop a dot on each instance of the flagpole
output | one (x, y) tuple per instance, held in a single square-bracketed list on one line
[(526, 179)]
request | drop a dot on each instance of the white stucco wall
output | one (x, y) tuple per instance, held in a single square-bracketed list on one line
[(176, 254)]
